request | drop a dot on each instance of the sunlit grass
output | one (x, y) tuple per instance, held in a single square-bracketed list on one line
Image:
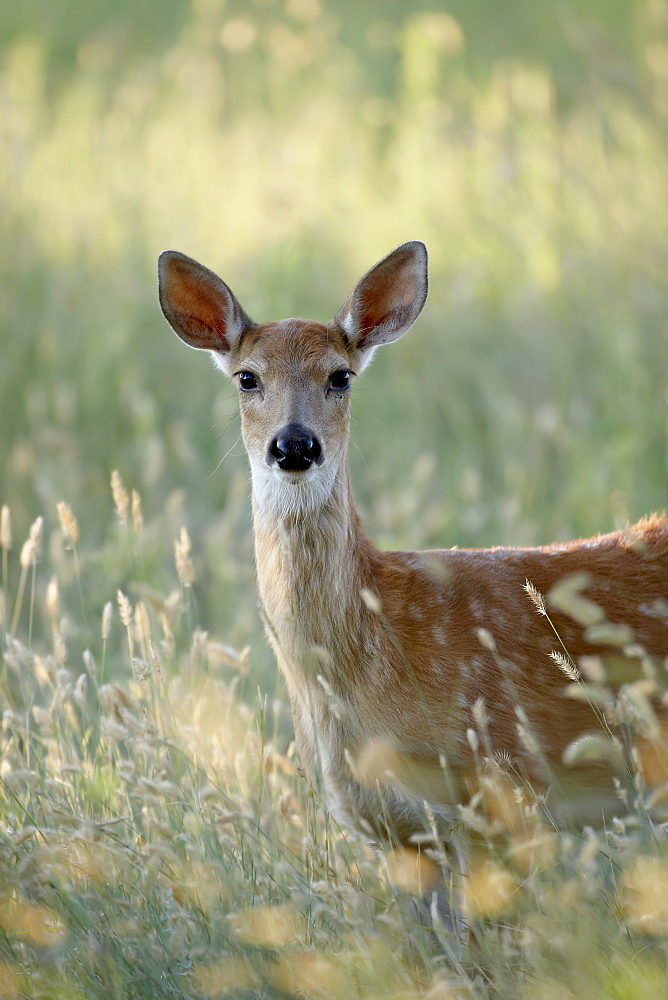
[(158, 837)]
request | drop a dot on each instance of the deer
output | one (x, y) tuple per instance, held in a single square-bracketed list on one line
[(403, 669)]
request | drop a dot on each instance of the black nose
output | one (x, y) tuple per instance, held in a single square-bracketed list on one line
[(294, 449)]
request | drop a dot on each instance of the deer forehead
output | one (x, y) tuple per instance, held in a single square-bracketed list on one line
[(293, 347)]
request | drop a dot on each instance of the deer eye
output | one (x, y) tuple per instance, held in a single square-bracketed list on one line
[(340, 381), (247, 382)]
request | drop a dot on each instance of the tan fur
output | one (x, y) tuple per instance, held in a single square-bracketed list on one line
[(382, 652)]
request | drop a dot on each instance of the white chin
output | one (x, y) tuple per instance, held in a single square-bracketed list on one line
[(290, 494)]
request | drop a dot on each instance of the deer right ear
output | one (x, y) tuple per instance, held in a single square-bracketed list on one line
[(198, 306)]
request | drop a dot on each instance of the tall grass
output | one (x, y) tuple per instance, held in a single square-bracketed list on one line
[(158, 838), (156, 834)]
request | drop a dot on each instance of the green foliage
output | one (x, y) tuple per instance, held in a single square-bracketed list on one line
[(158, 838)]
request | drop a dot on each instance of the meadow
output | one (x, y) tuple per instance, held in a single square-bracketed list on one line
[(157, 836)]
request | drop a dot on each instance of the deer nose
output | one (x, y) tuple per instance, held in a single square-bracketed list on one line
[(294, 449)]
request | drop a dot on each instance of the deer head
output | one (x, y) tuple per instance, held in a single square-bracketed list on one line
[(294, 376)]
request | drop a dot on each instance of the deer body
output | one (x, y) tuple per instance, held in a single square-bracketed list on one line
[(385, 649)]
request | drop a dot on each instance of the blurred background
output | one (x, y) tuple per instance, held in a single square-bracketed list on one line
[(289, 144)]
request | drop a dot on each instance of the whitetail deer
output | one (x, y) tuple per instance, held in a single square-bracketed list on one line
[(400, 650)]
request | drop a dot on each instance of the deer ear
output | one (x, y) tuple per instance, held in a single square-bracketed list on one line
[(198, 306), (388, 299)]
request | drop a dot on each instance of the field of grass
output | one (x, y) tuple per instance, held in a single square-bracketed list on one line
[(157, 838)]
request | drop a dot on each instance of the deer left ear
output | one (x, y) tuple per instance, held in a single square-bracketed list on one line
[(387, 300)]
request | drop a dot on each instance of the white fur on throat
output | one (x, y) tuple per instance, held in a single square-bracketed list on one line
[(290, 494)]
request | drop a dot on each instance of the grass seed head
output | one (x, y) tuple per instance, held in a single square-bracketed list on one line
[(155, 659), (480, 715), (68, 522), (80, 689), (125, 608), (12, 982), (227, 976), (52, 600), (535, 849), (137, 518), (31, 547), (37, 924), (184, 566), (306, 973), (59, 648), (489, 891), (5, 528), (565, 665), (372, 600), (376, 763), (120, 496), (645, 895), (168, 636), (566, 596), (142, 623), (412, 871), (89, 662), (501, 803), (266, 926), (486, 639), (106, 620), (535, 597)]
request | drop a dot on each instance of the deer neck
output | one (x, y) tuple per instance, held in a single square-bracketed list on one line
[(310, 574)]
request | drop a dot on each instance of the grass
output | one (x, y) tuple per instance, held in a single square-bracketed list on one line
[(158, 838), (156, 834)]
